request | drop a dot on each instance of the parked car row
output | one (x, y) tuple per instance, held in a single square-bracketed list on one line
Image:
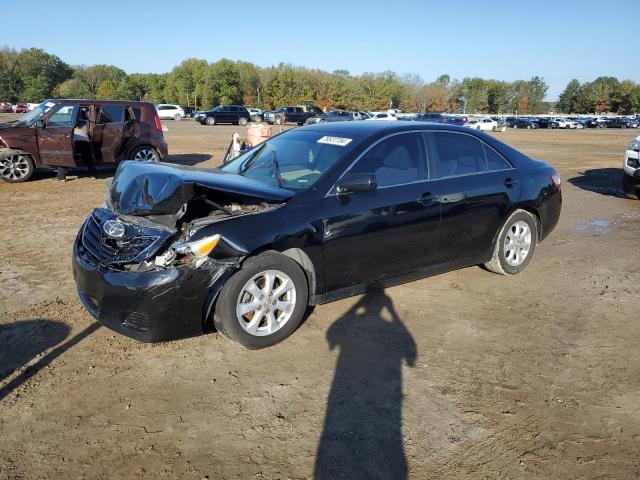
[(17, 108)]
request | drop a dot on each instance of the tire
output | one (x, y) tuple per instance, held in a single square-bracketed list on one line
[(529, 127), (499, 262), (210, 121), (242, 121), (177, 117), (16, 168), (515, 126), (145, 154), (227, 316), (279, 121), (628, 188)]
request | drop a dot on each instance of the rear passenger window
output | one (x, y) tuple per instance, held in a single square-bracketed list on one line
[(394, 161), (111, 114), (495, 161), (456, 154)]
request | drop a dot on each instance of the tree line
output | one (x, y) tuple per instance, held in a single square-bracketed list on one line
[(31, 75), (604, 94)]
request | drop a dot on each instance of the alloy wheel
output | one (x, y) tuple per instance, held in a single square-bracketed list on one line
[(266, 303), (146, 155), (517, 243), (14, 167)]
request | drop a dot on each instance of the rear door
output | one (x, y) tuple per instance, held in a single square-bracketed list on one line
[(108, 133), (476, 188), (55, 140)]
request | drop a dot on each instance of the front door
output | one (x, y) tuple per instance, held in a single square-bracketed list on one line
[(391, 230), (55, 137), (475, 186), (108, 132)]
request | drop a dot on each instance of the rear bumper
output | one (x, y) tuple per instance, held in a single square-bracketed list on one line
[(149, 306), (550, 213)]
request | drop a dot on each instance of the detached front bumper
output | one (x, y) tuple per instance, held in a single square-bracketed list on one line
[(149, 306)]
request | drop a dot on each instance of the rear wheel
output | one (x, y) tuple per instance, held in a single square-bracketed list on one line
[(210, 121), (242, 121), (515, 244), (16, 168), (146, 154), (263, 303)]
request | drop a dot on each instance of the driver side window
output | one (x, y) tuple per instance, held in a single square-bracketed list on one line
[(396, 160), (64, 116)]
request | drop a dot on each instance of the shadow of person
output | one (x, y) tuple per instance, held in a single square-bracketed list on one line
[(362, 436), (22, 341)]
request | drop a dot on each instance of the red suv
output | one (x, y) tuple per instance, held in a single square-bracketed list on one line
[(44, 137)]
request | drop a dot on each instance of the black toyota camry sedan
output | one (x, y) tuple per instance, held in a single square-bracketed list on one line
[(314, 214)]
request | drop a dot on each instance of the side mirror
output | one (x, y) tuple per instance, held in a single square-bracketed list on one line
[(356, 182), (40, 123)]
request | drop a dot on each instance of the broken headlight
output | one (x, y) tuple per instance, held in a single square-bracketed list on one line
[(197, 251)]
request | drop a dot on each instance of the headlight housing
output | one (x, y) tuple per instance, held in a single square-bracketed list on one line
[(634, 145), (198, 248)]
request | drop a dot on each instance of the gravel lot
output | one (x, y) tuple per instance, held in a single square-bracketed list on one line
[(464, 375)]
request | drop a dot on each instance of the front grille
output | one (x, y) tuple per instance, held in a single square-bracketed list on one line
[(132, 248)]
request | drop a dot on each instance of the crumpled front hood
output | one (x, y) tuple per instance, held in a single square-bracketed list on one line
[(163, 188)]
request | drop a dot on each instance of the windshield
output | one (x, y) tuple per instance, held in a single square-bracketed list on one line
[(294, 159), (30, 118)]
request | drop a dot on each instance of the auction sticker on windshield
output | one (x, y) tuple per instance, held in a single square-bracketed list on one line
[(339, 141)]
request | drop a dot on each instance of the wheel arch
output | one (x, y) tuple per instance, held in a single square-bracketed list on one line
[(141, 145), (527, 207)]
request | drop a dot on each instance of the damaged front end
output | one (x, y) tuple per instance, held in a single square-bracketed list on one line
[(149, 263)]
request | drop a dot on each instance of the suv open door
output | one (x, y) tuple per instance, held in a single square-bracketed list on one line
[(55, 136), (108, 132)]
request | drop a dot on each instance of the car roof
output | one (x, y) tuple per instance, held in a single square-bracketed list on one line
[(96, 102), (369, 128)]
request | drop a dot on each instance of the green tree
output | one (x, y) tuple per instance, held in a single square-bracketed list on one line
[(10, 78), (536, 90), (40, 72), (571, 100), (94, 75), (35, 89), (73, 88), (222, 83), (106, 91)]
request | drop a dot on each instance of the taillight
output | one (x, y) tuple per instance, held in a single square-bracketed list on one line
[(158, 124), (556, 181)]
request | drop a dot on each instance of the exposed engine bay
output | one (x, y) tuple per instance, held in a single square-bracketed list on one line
[(153, 212)]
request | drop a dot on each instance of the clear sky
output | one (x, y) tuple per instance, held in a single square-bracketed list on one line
[(506, 40)]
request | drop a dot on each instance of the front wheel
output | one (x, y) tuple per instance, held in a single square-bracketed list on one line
[(16, 168), (177, 117), (242, 121), (146, 154), (279, 121), (210, 121), (515, 244), (263, 303)]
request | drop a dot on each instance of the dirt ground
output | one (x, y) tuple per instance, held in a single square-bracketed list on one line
[(464, 375)]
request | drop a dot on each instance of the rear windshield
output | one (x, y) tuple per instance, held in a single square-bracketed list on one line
[(295, 159)]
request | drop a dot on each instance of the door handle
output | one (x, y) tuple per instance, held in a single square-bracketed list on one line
[(510, 182), (427, 199)]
